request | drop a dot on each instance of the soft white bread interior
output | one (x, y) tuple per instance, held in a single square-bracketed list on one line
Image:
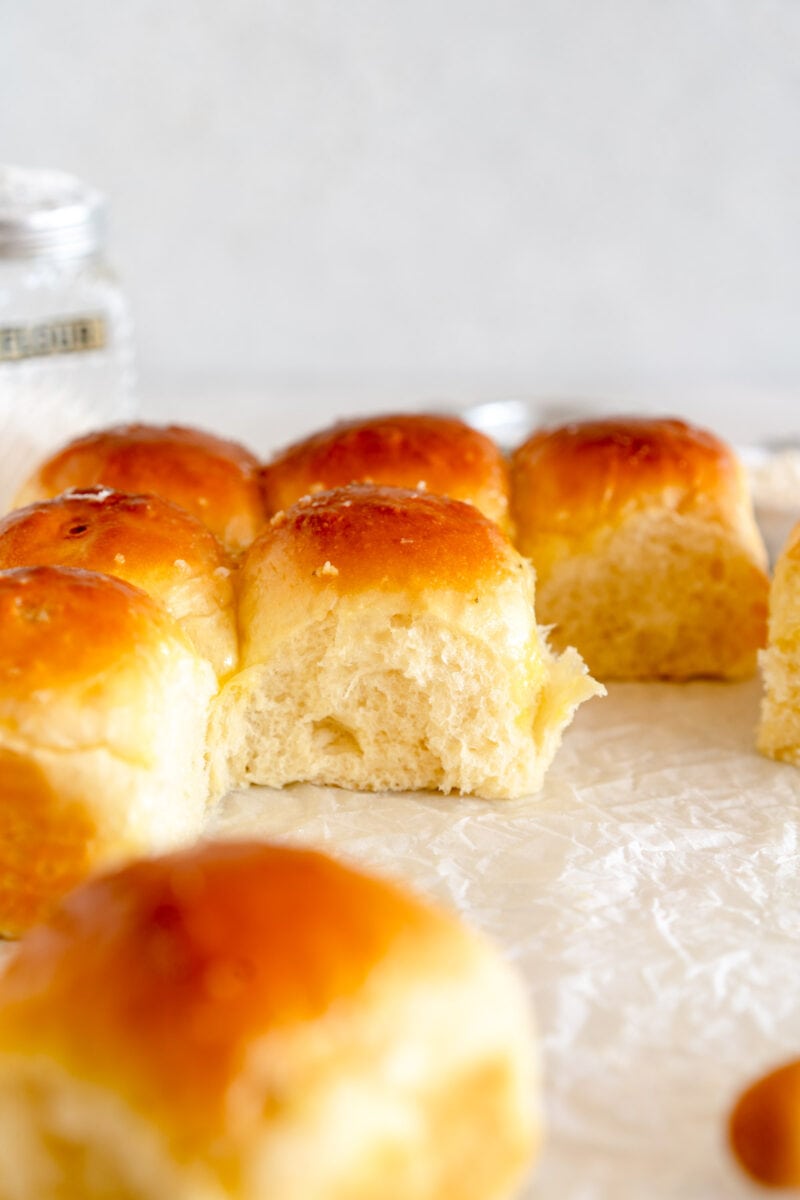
[(103, 712), (388, 641), (146, 541), (647, 555), (428, 451), (779, 728), (263, 1023), (209, 476)]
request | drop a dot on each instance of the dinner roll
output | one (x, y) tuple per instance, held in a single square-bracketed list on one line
[(646, 552), (388, 641), (431, 452), (103, 707), (144, 540), (779, 729), (215, 479), (243, 1022), (764, 1128)]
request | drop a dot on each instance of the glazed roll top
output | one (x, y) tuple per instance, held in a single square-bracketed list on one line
[(264, 1022), (429, 452), (215, 479), (148, 542), (572, 480), (360, 540), (645, 546), (388, 640), (103, 709)]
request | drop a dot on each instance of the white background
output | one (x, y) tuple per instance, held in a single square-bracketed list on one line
[(394, 200)]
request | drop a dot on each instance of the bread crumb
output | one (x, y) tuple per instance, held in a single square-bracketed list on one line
[(278, 519), (181, 564), (327, 568), (119, 558), (222, 572), (422, 485), (94, 494), (406, 541)]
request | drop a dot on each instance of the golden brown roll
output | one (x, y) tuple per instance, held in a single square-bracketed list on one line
[(764, 1128), (388, 641), (144, 540), (215, 479), (647, 555), (779, 729), (103, 708), (242, 1021), (434, 453)]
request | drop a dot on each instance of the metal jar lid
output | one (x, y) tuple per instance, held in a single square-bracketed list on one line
[(48, 213)]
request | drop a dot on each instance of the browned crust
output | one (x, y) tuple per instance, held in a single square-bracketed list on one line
[(141, 539), (212, 477), (362, 537), (60, 627), (223, 943), (764, 1128), (47, 844), (442, 454), (583, 475)]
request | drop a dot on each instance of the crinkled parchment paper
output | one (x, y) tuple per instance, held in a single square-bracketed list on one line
[(650, 897)]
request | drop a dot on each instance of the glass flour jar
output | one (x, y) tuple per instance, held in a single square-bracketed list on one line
[(66, 355)]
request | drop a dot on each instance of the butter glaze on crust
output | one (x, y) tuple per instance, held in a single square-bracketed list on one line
[(647, 555), (585, 474), (371, 537), (144, 540), (264, 1022), (66, 627), (103, 708), (389, 641), (215, 479), (439, 454)]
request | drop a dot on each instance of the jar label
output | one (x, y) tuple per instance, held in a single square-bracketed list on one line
[(71, 335)]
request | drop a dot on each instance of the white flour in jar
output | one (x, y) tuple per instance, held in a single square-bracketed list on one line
[(66, 357)]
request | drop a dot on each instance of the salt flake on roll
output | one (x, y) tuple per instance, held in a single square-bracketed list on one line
[(389, 641)]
